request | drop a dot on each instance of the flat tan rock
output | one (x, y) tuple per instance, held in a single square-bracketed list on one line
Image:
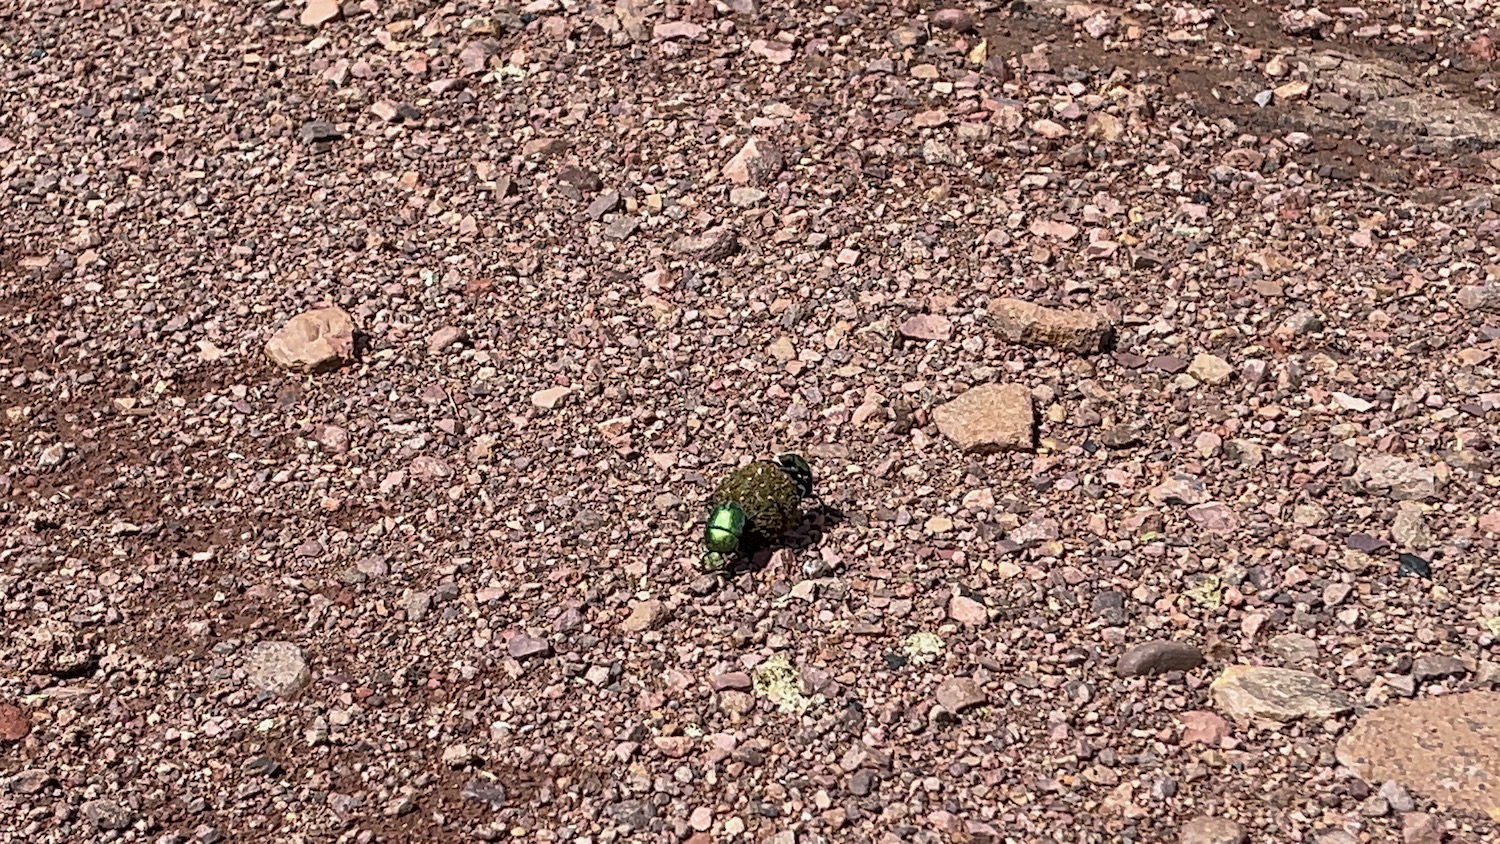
[(319, 340), (989, 418), (1446, 748), (1282, 695), (319, 12), (1080, 332)]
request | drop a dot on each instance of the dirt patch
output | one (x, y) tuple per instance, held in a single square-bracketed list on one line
[(1394, 115)]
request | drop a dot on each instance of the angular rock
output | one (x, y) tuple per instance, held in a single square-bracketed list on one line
[(448, 335), (1214, 517), (319, 12), (955, 20), (1409, 528), (677, 29), (1396, 796), (1446, 748), (318, 131), (107, 815), (1400, 479), (1202, 727), (737, 681), (29, 781), (1282, 695), (715, 244), (959, 694), (776, 52), (1209, 830), (319, 340), (927, 327), (966, 610), (550, 398), (1482, 297), (1079, 332), (989, 418), (1158, 657), (1437, 667), (646, 615), (1210, 369), (523, 646), (758, 163), (487, 792), (279, 668), (331, 437), (1421, 828), (1178, 489)]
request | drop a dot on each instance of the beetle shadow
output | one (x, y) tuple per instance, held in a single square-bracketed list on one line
[(816, 522)]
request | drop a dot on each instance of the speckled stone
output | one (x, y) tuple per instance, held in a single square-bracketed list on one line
[(1282, 695), (1446, 748), (989, 418)]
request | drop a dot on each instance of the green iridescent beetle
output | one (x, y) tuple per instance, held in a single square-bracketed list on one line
[(756, 503)]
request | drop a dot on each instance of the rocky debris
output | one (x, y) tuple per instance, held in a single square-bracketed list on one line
[(712, 245), (989, 418), (646, 615), (1255, 693), (1304, 22), (315, 341), (279, 668), (521, 173), (1211, 830), (960, 694), (757, 164), (1424, 743), (1078, 332), (1158, 657)]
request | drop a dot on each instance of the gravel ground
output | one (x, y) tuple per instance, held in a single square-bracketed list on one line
[(428, 596)]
